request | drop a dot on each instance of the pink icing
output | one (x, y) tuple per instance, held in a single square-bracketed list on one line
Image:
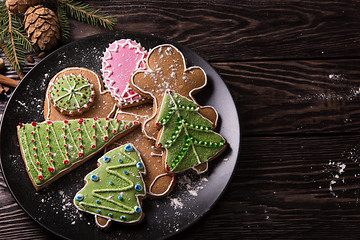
[(120, 60)]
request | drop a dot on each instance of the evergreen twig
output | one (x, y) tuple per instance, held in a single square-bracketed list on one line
[(13, 39), (82, 12)]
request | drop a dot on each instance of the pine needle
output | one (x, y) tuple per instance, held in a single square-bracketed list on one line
[(13, 39), (83, 13)]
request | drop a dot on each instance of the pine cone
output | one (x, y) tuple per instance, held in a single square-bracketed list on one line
[(42, 27), (19, 6)]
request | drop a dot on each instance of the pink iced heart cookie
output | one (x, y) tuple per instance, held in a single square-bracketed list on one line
[(120, 60)]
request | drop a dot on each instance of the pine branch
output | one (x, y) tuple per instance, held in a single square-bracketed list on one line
[(13, 39), (84, 13), (64, 22)]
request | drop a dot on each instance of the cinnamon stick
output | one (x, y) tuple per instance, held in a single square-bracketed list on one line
[(8, 81)]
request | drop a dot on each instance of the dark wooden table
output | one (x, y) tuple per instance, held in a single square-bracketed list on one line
[(293, 69)]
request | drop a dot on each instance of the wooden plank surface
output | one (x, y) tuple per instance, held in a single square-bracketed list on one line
[(293, 70)]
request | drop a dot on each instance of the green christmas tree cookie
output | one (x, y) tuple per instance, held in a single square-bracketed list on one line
[(50, 149), (187, 136), (113, 191)]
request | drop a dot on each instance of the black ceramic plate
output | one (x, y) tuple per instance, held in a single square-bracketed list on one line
[(52, 207)]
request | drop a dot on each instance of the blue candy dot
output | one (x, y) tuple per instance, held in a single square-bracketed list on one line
[(139, 165), (79, 197), (126, 172), (138, 187), (98, 211), (111, 182), (120, 160), (122, 217), (110, 214), (128, 148), (120, 197), (97, 201), (94, 178), (137, 209), (107, 159)]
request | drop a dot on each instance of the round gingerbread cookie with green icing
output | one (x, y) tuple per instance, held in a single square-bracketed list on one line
[(72, 94)]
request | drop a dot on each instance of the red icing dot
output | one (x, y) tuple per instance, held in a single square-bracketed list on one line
[(93, 136), (67, 154), (135, 122), (21, 125), (106, 137), (51, 169), (93, 126), (34, 148), (81, 146), (47, 129), (48, 145), (81, 121), (40, 169), (49, 122), (168, 168), (47, 137), (33, 123), (107, 119), (65, 145), (214, 125), (157, 124), (32, 140), (132, 92), (35, 155), (79, 138), (40, 177), (95, 118), (114, 131), (106, 127), (37, 163), (32, 132), (51, 160), (118, 120), (63, 128), (126, 126), (64, 136), (93, 146), (80, 154), (49, 153), (66, 162), (79, 129)]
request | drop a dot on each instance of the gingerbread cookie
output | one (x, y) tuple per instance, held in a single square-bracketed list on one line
[(51, 149), (114, 190), (187, 136), (71, 94), (166, 70), (159, 183), (83, 96), (120, 60)]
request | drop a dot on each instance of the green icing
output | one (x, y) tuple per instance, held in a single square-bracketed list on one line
[(47, 153), (112, 190), (187, 136), (72, 93)]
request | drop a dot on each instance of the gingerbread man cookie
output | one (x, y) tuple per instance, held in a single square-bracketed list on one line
[(166, 70)]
